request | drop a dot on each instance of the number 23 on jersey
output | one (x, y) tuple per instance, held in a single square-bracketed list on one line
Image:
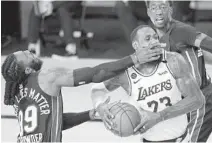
[(154, 104)]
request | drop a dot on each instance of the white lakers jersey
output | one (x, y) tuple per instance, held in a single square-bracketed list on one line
[(154, 93)]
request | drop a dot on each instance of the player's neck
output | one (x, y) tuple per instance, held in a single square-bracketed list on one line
[(147, 68)]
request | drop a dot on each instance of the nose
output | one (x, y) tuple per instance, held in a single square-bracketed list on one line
[(158, 11)]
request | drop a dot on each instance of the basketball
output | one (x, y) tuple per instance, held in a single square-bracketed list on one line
[(126, 119)]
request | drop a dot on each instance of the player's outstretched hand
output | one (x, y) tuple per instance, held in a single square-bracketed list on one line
[(105, 114), (150, 53), (148, 120)]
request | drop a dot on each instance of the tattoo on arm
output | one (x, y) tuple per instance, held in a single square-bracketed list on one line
[(116, 82), (182, 74), (187, 86), (113, 83)]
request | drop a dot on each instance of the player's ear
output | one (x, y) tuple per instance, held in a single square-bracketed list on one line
[(135, 45), (28, 70)]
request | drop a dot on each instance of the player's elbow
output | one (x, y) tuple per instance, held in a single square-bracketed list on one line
[(195, 93), (201, 100)]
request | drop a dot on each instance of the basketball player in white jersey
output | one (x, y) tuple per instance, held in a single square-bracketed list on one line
[(164, 92)]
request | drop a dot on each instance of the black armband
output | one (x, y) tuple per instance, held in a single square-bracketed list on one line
[(83, 76), (73, 119)]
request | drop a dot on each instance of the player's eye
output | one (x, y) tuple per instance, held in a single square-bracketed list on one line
[(152, 8), (163, 7), (147, 38)]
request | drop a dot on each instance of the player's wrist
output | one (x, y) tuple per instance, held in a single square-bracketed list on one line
[(91, 114)]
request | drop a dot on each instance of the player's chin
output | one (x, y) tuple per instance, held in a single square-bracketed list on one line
[(159, 25)]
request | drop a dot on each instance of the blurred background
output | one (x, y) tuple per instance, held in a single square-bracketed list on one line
[(94, 33), (100, 24)]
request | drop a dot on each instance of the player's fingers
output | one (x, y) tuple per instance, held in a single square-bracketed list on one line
[(153, 55), (108, 100), (157, 45), (109, 114), (143, 129), (136, 133), (108, 120), (139, 127), (111, 105), (108, 127), (154, 45), (157, 51), (148, 56), (153, 58), (108, 124)]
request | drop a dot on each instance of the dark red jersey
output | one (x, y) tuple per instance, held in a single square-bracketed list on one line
[(39, 114), (181, 38)]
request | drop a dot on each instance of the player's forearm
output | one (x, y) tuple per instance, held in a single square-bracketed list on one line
[(206, 44), (193, 100), (184, 106), (109, 70), (103, 71), (73, 119), (207, 57)]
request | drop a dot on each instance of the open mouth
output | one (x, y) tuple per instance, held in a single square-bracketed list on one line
[(160, 20)]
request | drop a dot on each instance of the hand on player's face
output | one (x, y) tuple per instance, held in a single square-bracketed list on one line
[(148, 47), (148, 54), (148, 120)]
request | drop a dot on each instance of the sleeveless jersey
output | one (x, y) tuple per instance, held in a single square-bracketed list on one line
[(39, 114), (154, 93), (180, 38)]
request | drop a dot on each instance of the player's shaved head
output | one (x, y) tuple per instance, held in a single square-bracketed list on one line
[(133, 35), (143, 36)]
